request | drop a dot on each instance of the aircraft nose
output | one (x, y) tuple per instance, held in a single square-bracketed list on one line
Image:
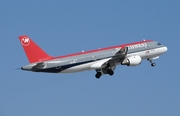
[(165, 49)]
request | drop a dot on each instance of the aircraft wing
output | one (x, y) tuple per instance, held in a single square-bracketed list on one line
[(121, 54), (118, 57), (100, 64)]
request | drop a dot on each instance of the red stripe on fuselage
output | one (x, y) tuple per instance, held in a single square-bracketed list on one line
[(101, 49)]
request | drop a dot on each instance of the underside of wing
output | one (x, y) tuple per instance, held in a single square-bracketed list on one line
[(119, 56), (100, 64)]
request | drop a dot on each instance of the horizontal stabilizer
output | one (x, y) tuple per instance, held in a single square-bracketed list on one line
[(38, 66)]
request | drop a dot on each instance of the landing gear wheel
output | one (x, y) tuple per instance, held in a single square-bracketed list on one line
[(153, 64), (98, 75), (110, 72)]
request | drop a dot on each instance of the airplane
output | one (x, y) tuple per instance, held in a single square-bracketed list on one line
[(102, 60)]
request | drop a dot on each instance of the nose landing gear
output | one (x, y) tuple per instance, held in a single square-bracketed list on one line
[(152, 63)]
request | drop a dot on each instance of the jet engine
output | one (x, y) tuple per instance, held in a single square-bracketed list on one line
[(132, 61)]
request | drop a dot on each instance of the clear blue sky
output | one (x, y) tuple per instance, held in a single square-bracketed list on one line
[(66, 26)]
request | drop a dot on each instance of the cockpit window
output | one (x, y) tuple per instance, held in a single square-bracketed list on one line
[(158, 43)]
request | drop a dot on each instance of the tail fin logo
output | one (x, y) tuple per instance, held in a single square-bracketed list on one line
[(25, 41)]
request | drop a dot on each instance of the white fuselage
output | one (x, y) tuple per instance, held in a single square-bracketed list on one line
[(146, 54)]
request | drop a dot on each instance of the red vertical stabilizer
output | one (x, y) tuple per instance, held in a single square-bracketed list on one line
[(33, 52)]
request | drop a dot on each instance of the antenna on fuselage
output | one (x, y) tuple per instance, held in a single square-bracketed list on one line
[(144, 40)]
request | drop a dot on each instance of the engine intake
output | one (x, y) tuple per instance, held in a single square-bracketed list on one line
[(132, 61)]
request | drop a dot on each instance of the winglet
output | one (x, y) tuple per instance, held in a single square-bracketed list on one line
[(33, 52)]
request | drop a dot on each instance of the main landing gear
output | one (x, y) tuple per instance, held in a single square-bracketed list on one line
[(152, 63), (99, 74), (110, 72)]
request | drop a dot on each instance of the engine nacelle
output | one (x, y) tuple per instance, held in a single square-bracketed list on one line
[(132, 61)]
